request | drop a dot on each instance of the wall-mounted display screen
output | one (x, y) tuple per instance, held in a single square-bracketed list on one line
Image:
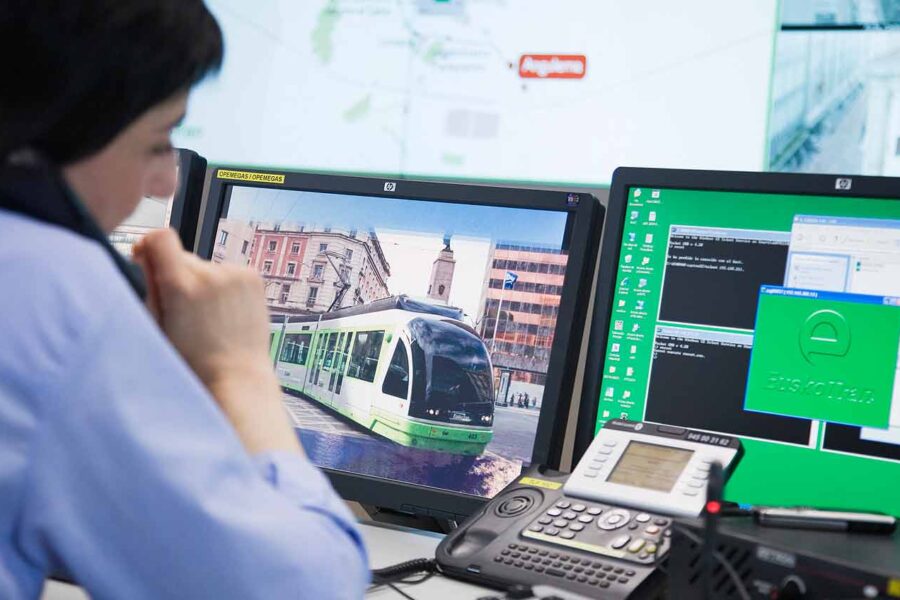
[(835, 105), (528, 90)]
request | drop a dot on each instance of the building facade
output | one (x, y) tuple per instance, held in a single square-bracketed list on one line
[(518, 324), (233, 243), (318, 269)]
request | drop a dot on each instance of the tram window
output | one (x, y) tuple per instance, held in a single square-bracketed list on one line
[(396, 381), (296, 348), (364, 358)]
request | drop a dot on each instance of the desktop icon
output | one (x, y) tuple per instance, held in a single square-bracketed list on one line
[(635, 327), (605, 414), (612, 368), (654, 194), (621, 303), (632, 236), (610, 392), (637, 193), (619, 325), (633, 349), (642, 283), (626, 394), (648, 239), (625, 282), (645, 260), (615, 348), (629, 371), (628, 258), (634, 215), (639, 305), (652, 216)]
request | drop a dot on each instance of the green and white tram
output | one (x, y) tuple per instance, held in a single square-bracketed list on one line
[(408, 371)]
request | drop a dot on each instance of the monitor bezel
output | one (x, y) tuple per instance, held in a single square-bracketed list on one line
[(625, 178), (185, 214), (585, 235)]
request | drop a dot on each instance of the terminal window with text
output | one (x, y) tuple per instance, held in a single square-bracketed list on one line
[(773, 317)]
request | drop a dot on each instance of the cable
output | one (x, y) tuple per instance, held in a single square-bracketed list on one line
[(401, 592), (735, 578), (401, 571)]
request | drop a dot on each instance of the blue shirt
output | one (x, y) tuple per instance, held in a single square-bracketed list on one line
[(117, 467)]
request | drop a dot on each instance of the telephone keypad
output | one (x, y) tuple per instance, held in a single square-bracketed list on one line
[(638, 537)]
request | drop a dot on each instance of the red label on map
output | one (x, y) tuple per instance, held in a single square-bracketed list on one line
[(552, 66)]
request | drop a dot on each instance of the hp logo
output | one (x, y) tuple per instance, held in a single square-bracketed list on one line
[(390, 186), (843, 183)]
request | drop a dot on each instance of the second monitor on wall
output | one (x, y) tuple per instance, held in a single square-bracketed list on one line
[(421, 332), (757, 305)]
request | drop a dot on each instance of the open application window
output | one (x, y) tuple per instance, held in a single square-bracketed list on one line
[(769, 316)]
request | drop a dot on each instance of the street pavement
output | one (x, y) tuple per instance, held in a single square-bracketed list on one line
[(513, 439)]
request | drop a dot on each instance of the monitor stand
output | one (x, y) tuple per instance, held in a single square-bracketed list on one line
[(413, 521)]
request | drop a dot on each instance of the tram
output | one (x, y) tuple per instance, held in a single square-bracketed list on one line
[(409, 371)]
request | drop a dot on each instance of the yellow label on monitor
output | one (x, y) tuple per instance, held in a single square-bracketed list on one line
[(893, 588), (249, 176), (541, 483)]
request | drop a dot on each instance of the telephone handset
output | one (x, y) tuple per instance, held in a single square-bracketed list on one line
[(601, 531)]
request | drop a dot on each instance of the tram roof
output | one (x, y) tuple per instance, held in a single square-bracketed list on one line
[(402, 302)]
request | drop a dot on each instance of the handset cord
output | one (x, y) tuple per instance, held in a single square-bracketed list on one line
[(401, 571)]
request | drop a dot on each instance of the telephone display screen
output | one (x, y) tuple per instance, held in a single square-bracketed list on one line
[(650, 466)]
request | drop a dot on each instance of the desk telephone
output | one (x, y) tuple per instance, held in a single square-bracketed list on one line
[(601, 531)]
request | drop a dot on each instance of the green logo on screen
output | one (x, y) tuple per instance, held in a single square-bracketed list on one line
[(826, 333)]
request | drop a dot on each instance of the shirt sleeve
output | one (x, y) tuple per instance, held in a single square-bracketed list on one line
[(139, 487)]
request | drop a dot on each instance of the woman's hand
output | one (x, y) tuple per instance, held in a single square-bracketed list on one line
[(216, 317)]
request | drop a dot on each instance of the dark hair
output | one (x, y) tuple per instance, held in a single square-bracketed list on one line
[(77, 72)]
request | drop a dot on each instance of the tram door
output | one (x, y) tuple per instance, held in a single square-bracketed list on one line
[(334, 361), (317, 363), (327, 365), (342, 360)]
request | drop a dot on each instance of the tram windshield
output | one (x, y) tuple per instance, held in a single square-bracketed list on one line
[(452, 374)]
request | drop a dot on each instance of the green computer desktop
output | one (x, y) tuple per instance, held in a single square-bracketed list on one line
[(763, 306)]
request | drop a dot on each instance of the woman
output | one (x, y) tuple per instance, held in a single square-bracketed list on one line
[(143, 453)]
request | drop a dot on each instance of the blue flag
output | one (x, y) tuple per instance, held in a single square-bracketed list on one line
[(510, 280)]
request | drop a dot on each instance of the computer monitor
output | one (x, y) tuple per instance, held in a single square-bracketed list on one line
[(423, 333), (181, 211), (762, 306)]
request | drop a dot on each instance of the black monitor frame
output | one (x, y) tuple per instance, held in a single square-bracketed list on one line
[(625, 178), (185, 214), (584, 241)]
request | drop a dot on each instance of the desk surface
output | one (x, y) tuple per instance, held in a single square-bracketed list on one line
[(387, 546)]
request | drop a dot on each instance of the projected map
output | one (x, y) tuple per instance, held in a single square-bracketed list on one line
[(512, 90)]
